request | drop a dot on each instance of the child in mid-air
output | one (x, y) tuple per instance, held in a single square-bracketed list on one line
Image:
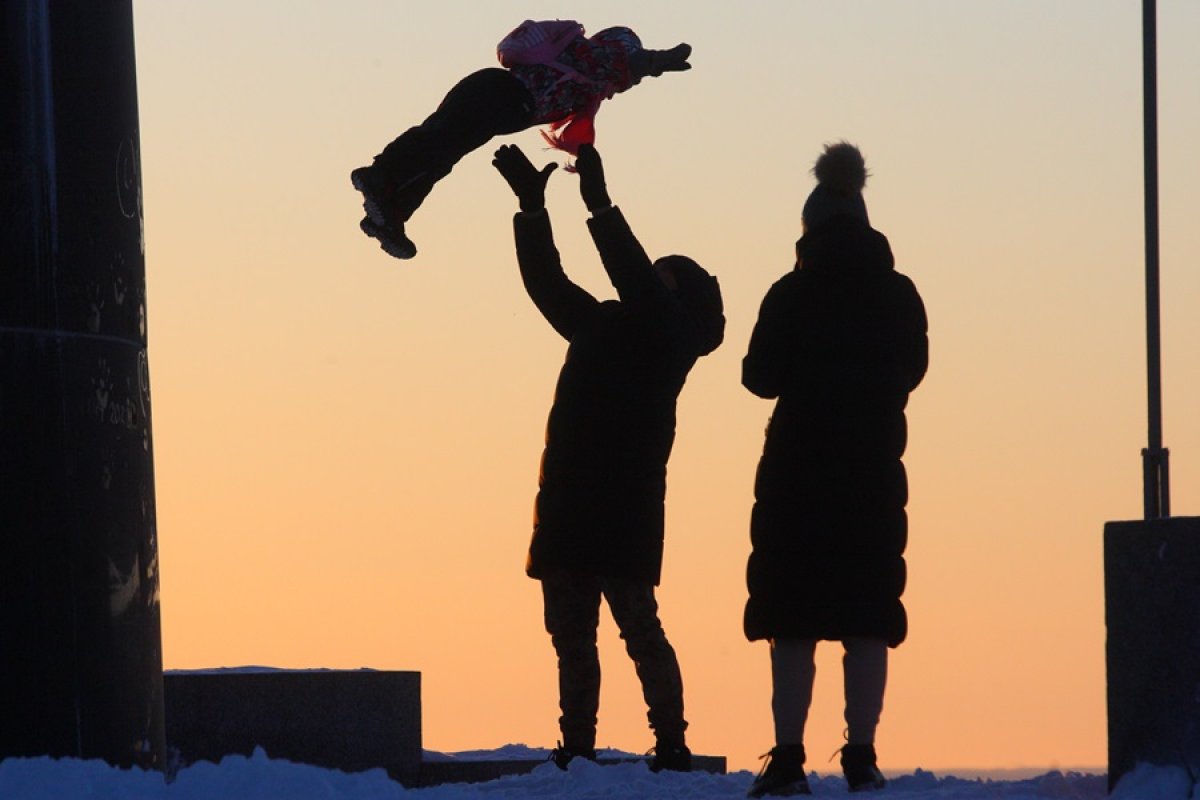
[(552, 74)]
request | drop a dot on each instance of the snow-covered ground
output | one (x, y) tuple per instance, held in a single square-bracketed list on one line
[(262, 778)]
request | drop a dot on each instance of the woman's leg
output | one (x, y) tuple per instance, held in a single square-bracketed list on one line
[(793, 669), (865, 668)]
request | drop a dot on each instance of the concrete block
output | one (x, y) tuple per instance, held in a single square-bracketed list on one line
[(1152, 612), (351, 720)]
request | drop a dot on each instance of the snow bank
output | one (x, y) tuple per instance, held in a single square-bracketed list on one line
[(261, 778)]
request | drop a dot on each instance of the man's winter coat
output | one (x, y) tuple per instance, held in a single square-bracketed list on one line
[(602, 485), (840, 341)]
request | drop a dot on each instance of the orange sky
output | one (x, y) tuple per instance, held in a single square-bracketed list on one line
[(346, 446)]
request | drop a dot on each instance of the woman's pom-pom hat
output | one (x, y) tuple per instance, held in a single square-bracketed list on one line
[(841, 173)]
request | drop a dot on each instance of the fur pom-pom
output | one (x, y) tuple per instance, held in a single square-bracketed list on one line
[(841, 168)]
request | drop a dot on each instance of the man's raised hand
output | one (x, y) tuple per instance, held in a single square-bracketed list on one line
[(527, 182), (591, 178)]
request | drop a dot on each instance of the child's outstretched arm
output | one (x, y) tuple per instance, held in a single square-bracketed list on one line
[(654, 63)]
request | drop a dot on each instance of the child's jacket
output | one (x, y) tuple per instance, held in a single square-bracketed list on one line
[(570, 104)]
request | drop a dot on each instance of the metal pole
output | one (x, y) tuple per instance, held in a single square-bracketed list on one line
[(1154, 457)]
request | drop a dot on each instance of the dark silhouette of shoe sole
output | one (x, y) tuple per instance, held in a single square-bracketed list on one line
[(372, 196), (397, 246)]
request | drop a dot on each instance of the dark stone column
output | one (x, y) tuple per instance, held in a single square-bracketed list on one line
[(80, 644), (1152, 600)]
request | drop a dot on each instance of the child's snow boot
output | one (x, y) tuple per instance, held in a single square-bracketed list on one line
[(393, 241), (385, 221)]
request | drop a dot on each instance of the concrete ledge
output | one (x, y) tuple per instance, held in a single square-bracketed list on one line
[(434, 773), (349, 720)]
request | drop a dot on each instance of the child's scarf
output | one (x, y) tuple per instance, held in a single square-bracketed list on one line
[(573, 130)]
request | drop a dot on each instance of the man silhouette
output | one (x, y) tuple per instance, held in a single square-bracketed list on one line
[(598, 525)]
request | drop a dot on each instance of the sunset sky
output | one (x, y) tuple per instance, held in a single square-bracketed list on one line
[(346, 445)]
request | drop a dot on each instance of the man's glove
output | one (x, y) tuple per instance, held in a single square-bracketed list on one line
[(527, 183), (591, 178)]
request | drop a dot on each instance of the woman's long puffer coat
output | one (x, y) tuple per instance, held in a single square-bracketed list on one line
[(840, 341)]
